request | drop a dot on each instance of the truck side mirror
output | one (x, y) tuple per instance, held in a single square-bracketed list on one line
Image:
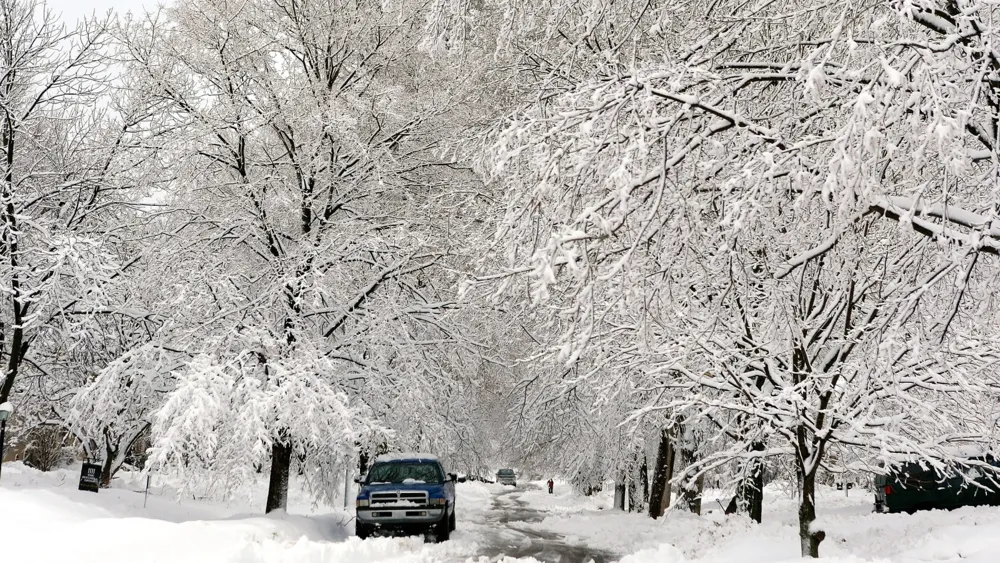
[(452, 477), (360, 479)]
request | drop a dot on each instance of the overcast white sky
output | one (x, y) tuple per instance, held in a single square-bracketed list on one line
[(73, 9)]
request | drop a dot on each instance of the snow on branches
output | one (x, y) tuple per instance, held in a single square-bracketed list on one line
[(224, 412), (311, 224), (783, 222)]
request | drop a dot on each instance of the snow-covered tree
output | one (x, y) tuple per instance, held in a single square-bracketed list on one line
[(319, 220), (783, 212), (68, 164)]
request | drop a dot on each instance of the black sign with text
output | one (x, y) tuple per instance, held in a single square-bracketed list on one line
[(90, 477)]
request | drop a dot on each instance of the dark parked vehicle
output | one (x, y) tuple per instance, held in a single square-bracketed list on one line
[(911, 487), (406, 494), (507, 477)]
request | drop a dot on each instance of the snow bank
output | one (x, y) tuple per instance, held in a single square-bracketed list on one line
[(45, 519), (113, 525), (476, 496), (564, 499), (854, 533)]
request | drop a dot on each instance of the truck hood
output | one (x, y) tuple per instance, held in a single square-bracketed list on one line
[(432, 489)]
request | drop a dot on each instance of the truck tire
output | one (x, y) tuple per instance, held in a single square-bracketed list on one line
[(442, 531), (362, 530), (451, 521)]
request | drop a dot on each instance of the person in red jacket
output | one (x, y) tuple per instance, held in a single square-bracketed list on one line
[(550, 486)]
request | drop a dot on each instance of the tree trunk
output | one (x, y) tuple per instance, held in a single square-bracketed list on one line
[(109, 460), (691, 491), (691, 495), (277, 489), (620, 494), (362, 461), (3, 431), (116, 451), (366, 456), (630, 491), (644, 486), (110, 453), (750, 490), (663, 472), (809, 538), (753, 493)]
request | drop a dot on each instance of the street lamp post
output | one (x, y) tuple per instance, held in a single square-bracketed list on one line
[(5, 410)]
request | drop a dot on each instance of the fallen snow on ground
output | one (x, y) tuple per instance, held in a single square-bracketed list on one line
[(43, 518), (564, 499), (854, 533)]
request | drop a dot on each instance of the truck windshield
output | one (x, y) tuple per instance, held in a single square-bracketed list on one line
[(404, 473)]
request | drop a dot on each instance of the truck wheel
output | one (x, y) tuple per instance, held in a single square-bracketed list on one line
[(442, 531), (362, 530), (451, 521)]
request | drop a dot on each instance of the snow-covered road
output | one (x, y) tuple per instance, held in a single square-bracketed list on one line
[(505, 533)]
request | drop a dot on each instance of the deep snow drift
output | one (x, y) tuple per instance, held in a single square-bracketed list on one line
[(43, 518)]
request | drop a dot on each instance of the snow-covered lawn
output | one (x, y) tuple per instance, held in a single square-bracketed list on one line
[(854, 533), (43, 518)]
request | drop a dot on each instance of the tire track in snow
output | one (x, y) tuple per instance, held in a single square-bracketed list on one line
[(514, 540)]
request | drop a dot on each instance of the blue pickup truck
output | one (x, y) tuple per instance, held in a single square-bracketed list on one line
[(406, 494)]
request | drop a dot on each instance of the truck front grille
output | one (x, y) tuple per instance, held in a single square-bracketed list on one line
[(399, 498)]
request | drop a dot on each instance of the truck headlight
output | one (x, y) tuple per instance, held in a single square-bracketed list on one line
[(437, 501), (361, 502)]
